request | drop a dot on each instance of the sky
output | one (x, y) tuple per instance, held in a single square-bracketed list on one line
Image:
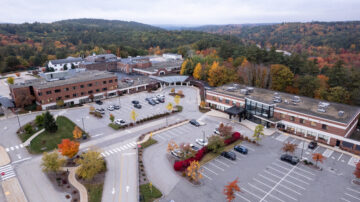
[(181, 12)]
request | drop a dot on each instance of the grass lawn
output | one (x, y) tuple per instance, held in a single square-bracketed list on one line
[(146, 195), (148, 143), (94, 191), (23, 137), (48, 141), (210, 156)]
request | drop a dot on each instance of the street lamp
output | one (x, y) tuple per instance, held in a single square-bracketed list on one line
[(17, 115), (82, 118)]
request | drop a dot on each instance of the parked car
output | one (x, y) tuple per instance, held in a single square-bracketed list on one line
[(116, 107), (160, 96), (216, 131), (195, 148), (201, 142), (155, 100), (241, 149), (151, 102), (229, 155), (111, 108), (176, 153), (100, 111), (312, 145), (161, 100), (99, 102), (120, 122), (135, 102), (194, 122), (147, 99), (290, 159), (138, 106)]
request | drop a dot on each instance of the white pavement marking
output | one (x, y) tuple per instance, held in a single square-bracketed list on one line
[(206, 176), (21, 145), (342, 160), (304, 176), (102, 154), (353, 190), (316, 149), (114, 150), (284, 180), (347, 194), (7, 149), (117, 149), (8, 172), (217, 160), (126, 147), (132, 144), (273, 181), (231, 161), (113, 190), (242, 197), (327, 153), (12, 148), (282, 137), (275, 189), (345, 200), (303, 145), (353, 161), (267, 193), (249, 148), (19, 156), (340, 156), (292, 142), (211, 163), (110, 151), (160, 137), (333, 157), (107, 153), (210, 170), (305, 171), (252, 193), (122, 148), (289, 176), (17, 147)]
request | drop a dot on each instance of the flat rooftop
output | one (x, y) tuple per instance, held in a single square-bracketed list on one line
[(306, 105), (130, 80)]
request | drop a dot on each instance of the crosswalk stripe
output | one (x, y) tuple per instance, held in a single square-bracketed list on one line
[(17, 147), (102, 154), (21, 145), (117, 149), (126, 147), (7, 149), (110, 151), (132, 144), (282, 138)]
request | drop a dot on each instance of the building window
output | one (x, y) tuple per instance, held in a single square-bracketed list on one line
[(74, 95), (110, 81), (104, 89), (40, 93), (97, 90), (89, 84), (220, 100), (67, 96), (313, 123), (302, 121), (59, 98), (214, 98), (226, 101), (324, 126), (81, 86), (104, 82), (74, 87), (292, 118), (48, 92), (66, 89), (57, 91), (90, 92), (82, 93)]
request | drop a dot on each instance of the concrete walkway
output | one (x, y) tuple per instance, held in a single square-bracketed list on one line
[(4, 157), (13, 191), (28, 141), (80, 187)]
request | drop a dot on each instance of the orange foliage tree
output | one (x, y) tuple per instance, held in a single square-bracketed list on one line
[(357, 170), (318, 157), (77, 132), (230, 190), (289, 147), (68, 148)]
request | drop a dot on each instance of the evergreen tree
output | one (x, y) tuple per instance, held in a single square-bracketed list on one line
[(49, 122)]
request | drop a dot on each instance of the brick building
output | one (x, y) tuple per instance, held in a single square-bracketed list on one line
[(103, 62), (329, 123)]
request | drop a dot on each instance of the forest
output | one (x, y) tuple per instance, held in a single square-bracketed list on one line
[(322, 67)]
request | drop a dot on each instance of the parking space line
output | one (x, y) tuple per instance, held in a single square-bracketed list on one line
[(222, 163), (229, 160), (316, 149), (210, 170), (249, 148), (289, 176), (285, 180), (159, 136), (242, 197), (251, 193), (309, 178), (345, 200), (275, 164), (211, 163), (267, 193), (305, 171), (275, 190), (206, 176), (347, 194), (353, 190), (273, 181), (340, 156), (327, 153)]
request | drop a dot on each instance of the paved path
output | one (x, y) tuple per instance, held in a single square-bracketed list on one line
[(28, 141), (4, 157), (13, 191), (77, 184)]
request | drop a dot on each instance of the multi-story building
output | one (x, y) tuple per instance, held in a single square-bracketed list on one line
[(103, 62), (329, 123), (72, 89), (59, 65)]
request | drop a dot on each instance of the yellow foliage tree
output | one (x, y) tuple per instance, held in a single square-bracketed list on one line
[(172, 146), (202, 104), (197, 71), (183, 67), (193, 171), (133, 115), (77, 133), (177, 99), (169, 106), (92, 109), (10, 80)]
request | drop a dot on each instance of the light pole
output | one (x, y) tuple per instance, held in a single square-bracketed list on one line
[(302, 150), (203, 136), (82, 118), (17, 115)]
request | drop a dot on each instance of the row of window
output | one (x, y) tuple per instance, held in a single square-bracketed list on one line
[(73, 88), (226, 100), (75, 95), (303, 121)]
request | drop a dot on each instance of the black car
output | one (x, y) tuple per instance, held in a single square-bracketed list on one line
[(195, 148), (312, 145), (161, 100), (290, 159), (99, 102), (138, 106), (135, 102), (229, 155), (116, 107), (194, 122), (241, 149)]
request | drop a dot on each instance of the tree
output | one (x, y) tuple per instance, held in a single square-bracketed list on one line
[(216, 75), (225, 130), (215, 144), (172, 90), (338, 75), (308, 85), (65, 67), (197, 71), (17, 74), (169, 106), (183, 67), (338, 94), (202, 104), (68, 148), (180, 93), (281, 77), (112, 117), (60, 103), (133, 115), (357, 170), (28, 128), (186, 151), (23, 100), (289, 147), (91, 163), (52, 162), (10, 80), (172, 146), (258, 132), (230, 190), (177, 99), (39, 119), (318, 157), (49, 122), (91, 97), (77, 133), (193, 171), (92, 109)]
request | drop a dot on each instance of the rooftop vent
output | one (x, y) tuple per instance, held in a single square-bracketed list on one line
[(322, 106), (244, 91), (230, 89), (250, 89), (296, 99), (277, 98), (341, 113)]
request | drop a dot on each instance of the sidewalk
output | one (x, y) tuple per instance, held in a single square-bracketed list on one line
[(13, 191), (72, 180), (4, 157)]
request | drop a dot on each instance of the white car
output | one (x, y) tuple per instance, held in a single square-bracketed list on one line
[(120, 122), (216, 131), (201, 142), (160, 96), (111, 108), (176, 153)]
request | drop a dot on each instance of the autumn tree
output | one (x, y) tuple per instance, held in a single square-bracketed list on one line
[(10, 80), (177, 99), (318, 157), (60, 103), (49, 122), (289, 147), (183, 67), (258, 132), (180, 93), (338, 94), (23, 100), (202, 104), (92, 109), (112, 117), (169, 107), (77, 133), (68, 148), (91, 163), (215, 144), (133, 115), (17, 74), (225, 130), (197, 71), (194, 171), (231, 189), (172, 146), (357, 170), (172, 90), (186, 151), (52, 162), (281, 77)]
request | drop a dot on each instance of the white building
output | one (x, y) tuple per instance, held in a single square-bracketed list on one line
[(172, 56), (59, 65)]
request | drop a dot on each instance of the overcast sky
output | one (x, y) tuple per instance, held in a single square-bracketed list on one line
[(181, 12)]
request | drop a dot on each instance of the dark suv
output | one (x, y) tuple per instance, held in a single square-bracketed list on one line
[(229, 155), (194, 122), (290, 159), (312, 145), (241, 149)]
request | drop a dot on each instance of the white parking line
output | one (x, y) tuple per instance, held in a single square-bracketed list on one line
[(160, 137), (206, 176), (217, 160), (211, 163), (231, 161), (289, 175), (251, 193), (273, 181), (305, 171), (316, 149), (7, 149), (292, 142), (347, 194), (267, 193), (309, 178), (275, 189), (345, 200), (210, 170), (249, 148), (285, 180), (353, 161), (353, 190), (340, 156), (242, 197), (327, 153)]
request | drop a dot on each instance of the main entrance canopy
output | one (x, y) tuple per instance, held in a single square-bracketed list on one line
[(235, 110)]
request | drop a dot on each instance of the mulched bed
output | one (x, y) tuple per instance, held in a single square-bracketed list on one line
[(61, 184)]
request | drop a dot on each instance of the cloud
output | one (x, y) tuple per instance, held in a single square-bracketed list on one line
[(188, 12)]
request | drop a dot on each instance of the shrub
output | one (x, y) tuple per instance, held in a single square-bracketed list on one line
[(28, 128), (234, 137), (178, 166)]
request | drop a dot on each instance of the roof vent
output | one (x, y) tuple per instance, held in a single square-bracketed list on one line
[(341, 113), (296, 99), (250, 89), (244, 91), (277, 98), (322, 106), (230, 89)]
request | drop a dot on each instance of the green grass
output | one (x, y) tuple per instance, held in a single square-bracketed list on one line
[(148, 143), (24, 136), (94, 191), (47, 141), (210, 156), (146, 195)]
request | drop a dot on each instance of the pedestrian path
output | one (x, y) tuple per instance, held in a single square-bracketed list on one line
[(114, 150), (7, 172)]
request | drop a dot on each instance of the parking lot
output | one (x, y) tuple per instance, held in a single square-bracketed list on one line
[(262, 175)]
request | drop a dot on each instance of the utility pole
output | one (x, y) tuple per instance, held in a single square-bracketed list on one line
[(83, 124), (302, 150)]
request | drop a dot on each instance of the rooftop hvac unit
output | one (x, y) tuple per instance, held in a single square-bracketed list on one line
[(341, 113), (323, 104), (250, 89), (296, 99), (244, 92), (320, 109), (230, 89)]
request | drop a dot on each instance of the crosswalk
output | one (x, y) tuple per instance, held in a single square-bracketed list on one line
[(7, 172), (114, 150), (12, 148)]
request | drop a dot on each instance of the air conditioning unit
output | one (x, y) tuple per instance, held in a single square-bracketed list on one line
[(341, 113), (250, 89), (244, 91)]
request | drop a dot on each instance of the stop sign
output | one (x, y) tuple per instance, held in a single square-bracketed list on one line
[(3, 173)]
